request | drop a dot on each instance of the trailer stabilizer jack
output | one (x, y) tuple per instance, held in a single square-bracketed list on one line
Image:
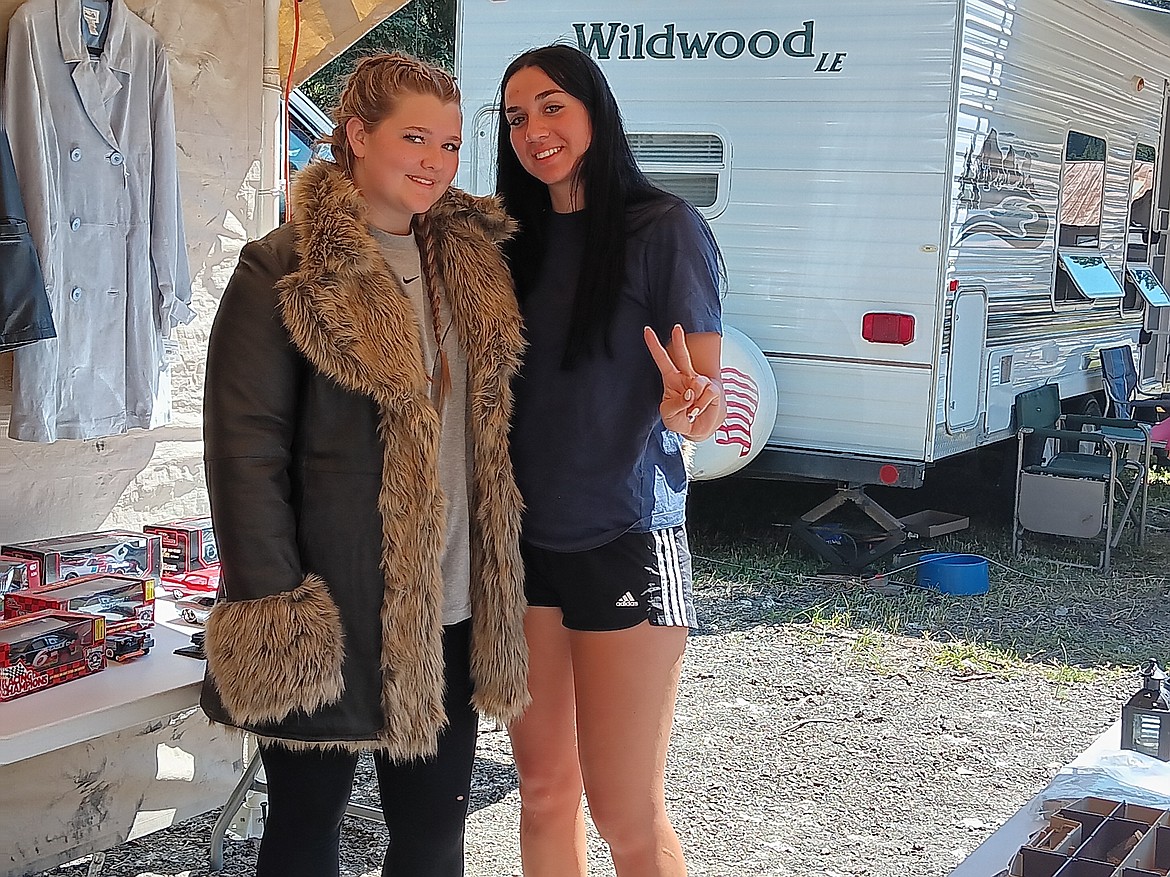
[(849, 549)]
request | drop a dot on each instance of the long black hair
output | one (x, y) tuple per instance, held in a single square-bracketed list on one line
[(610, 181)]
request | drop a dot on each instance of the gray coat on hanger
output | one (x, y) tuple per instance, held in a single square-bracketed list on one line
[(93, 141)]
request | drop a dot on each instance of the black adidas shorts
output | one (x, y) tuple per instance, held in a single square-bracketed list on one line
[(635, 578)]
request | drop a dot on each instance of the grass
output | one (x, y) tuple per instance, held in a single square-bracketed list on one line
[(969, 658), (1040, 609)]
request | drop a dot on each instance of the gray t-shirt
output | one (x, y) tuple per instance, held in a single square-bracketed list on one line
[(402, 255)]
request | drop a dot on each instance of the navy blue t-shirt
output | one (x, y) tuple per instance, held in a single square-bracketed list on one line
[(592, 457)]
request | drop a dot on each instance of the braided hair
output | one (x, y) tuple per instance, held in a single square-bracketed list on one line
[(370, 95), (429, 262)]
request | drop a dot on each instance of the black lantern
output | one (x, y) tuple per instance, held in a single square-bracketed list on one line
[(1145, 719)]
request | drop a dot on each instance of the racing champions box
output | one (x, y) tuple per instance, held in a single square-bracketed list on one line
[(109, 552)]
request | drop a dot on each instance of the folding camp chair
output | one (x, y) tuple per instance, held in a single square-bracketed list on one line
[(1124, 396), (1063, 491)]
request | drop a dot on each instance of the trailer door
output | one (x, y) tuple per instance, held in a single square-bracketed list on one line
[(483, 151), (965, 363)]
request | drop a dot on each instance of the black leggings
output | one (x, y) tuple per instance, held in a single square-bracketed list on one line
[(424, 801)]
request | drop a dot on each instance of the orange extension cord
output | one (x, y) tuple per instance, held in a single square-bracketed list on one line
[(292, 64)]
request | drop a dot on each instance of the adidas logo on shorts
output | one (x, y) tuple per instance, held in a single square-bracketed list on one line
[(626, 600)]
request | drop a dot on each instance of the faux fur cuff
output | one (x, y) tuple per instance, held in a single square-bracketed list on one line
[(276, 654)]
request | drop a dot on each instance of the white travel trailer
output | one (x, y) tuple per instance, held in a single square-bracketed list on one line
[(926, 207)]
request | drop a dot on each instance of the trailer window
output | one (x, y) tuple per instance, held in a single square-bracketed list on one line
[(1082, 189), (1141, 204), (1137, 235), (1080, 274), (692, 166)]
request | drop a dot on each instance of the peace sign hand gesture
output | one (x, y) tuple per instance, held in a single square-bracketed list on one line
[(692, 402)]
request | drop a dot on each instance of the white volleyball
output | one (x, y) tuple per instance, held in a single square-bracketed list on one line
[(749, 387)]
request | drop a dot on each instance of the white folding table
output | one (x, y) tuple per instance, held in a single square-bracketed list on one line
[(110, 757)]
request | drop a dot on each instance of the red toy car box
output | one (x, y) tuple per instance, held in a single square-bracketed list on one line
[(187, 544), (17, 573), (110, 552), (48, 648), (123, 602)]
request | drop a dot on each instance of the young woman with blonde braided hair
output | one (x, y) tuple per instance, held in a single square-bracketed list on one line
[(356, 422)]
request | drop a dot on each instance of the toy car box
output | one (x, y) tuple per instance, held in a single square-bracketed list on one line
[(124, 602), (187, 544), (116, 552), (19, 573), (47, 648)]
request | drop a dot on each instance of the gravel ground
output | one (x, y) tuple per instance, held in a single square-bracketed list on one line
[(806, 742), (792, 755)]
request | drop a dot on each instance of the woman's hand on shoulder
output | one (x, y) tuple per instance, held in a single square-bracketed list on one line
[(692, 394)]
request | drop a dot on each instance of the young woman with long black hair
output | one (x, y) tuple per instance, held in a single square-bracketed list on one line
[(619, 287)]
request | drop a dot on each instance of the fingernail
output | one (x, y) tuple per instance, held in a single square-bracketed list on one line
[(689, 395)]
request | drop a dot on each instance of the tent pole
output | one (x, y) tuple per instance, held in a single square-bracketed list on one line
[(272, 147)]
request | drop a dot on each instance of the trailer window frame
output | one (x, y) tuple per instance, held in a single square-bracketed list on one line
[(1090, 274), (662, 170), (1138, 247), (1078, 146), (483, 158), (1145, 281), (1070, 279)]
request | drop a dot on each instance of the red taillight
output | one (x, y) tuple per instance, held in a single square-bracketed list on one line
[(888, 328)]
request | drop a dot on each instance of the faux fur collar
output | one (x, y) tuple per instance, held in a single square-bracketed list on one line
[(347, 311)]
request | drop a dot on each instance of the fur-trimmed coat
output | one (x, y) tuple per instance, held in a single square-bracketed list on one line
[(322, 467)]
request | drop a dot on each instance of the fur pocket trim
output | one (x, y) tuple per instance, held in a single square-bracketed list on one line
[(277, 654)]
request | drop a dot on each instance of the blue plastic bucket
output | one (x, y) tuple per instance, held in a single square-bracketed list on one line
[(958, 574)]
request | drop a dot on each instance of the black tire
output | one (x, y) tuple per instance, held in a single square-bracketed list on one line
[(1088, 405)]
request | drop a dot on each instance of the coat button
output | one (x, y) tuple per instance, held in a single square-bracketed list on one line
[(115, 158), (75, 154), (75, 223), (76, 293)]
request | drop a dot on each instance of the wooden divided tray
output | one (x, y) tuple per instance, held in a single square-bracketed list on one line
[(1096, 837)]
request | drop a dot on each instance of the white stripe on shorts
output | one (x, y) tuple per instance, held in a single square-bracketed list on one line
[(681, 602), (670, 575)]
